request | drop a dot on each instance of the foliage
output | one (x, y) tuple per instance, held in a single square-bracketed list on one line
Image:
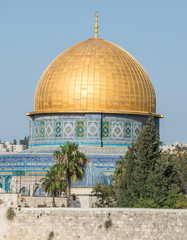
[(171, 200), (10, 214), (51, 235), (147, 177), (179, 158), (176, 201), (120, 167), (24, 141), (150, 176), (105, 195), (181, 202), (54, 182), (108, 224), (125, 183), (70, 162), (146, 203), (14, 142)]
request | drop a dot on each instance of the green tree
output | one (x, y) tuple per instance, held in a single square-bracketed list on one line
[(106, 196), (126, 180), (24, 141), (146, 177), (145, 203), (181, 202), (54, 182), (71, 162), (149, 177), (120, 166), (14, 142), (180, 160)]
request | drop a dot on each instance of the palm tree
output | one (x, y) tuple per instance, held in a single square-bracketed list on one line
[(53, 182), (71, 162)]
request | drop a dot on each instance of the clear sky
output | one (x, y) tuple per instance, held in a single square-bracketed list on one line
[(33, 33)]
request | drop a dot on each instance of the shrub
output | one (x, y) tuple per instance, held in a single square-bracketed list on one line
[(145, 203), (171, 200), (10, 214), (108, 224), (181, 202), (51, 235), (40, 206)]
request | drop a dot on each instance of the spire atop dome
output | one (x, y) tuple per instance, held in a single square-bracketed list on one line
[(96, 24)]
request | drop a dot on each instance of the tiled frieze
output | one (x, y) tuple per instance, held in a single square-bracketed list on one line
[(117, 130), (68, 129), (80, 129), (42, 129), (128, 130), (35, 165), (85, 129), (93, 129), (37, 130), (58, 129), (106, 129), (48, 129), (136, 130), (31, 129)]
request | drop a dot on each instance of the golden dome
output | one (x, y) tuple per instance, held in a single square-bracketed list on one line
[(95, 76)]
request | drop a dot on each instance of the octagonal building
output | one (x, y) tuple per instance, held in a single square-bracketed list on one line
[(94, 94)]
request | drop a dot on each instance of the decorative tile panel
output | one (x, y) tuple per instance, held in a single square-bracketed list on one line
[(33, 131), (30, 129), (128, 131), (136, 130), (93, 129), (48, 129), (85, 129), (42, 130), (37, 129), (58, 129), (68, 129), (117, 130), (105, 129), (80, 128)]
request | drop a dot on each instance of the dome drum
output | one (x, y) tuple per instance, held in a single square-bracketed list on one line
[(86, 129)]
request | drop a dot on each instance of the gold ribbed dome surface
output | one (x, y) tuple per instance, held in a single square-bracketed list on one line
[(95, 76)]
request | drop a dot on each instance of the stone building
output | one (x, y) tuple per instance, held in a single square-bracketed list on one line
[(9, 147), (94, 94)]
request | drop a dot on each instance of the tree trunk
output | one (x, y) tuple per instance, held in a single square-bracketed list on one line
[(53, 203), (68, 191)]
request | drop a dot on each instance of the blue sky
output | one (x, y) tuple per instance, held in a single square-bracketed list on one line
[(33, 33)]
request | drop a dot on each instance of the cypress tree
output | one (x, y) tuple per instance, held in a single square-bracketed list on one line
[(146, 180), (145, 177)]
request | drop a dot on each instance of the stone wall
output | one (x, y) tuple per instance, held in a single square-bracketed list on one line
[(84, 196), (90, 224), (41, 202), (16, 200), (83, 199), (9, 200)]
